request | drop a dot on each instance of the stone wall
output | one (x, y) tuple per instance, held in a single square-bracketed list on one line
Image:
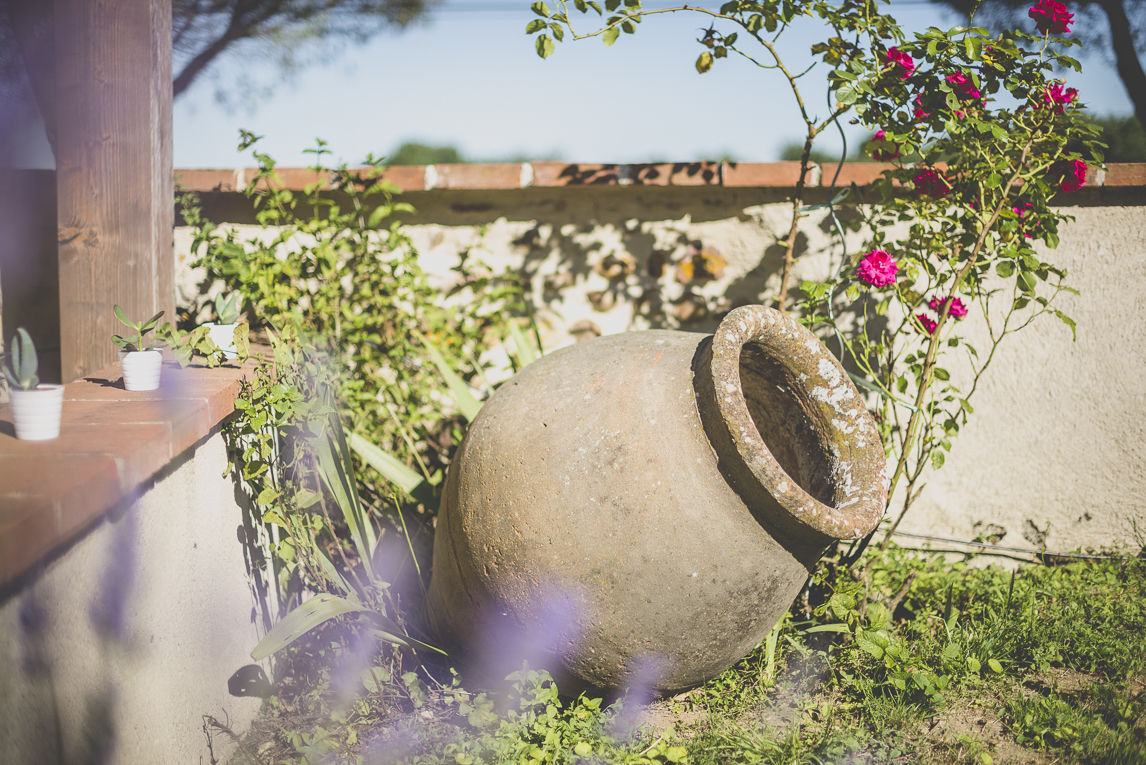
[(1055, 452)]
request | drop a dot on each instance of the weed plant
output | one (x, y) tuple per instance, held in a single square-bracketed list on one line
[(911, 659)]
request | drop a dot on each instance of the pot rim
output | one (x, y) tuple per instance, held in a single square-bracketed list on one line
[(857, 462), (40, 388)]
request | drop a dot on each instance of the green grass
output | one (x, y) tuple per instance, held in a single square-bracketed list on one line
[(924, 660)]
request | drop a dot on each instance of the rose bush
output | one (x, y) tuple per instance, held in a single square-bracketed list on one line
[(951, 227)]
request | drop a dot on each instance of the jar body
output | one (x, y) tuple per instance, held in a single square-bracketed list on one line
[(590, 511)]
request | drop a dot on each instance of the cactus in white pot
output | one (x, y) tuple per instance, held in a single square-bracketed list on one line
[(36, 406), (142, 364)]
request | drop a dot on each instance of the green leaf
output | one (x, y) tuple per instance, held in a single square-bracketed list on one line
[(704, 62), (869, 646), (544, 46), (612, 5), (937, 460), (973, 664), (467, 404), (974, 47), (1005, 268), (611, 35), (847, 94), (526, 355), (534, 26), (336, 469), (558, 32), (627, 27), (393, 470), (119, 314), (829, 628), (595, 7), (995, 666), (319, 609), (305, 498), (375, 679), (267, 496), (541, 9), (941, 373), (1070, 323)]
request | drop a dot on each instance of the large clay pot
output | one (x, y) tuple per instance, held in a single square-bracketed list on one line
[(652, 502)]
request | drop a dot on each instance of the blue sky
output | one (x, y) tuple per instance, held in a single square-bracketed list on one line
[(469, 77)]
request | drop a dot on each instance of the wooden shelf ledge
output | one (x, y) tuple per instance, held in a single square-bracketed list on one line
[(112, 443)]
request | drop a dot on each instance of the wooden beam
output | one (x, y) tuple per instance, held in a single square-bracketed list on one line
[(114, 173)]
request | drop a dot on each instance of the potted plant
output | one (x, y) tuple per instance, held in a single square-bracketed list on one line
[(222, 333), (141, 364), (36, 407)]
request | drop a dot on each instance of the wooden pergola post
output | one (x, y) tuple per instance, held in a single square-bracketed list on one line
[(114, 172)]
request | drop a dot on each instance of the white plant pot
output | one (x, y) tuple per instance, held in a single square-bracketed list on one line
[(223, 335), (36, 413), (141, 369)]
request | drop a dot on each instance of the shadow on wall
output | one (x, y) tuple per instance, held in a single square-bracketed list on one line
[(29, 272)]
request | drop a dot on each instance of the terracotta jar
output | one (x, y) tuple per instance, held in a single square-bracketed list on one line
[(650, 503)]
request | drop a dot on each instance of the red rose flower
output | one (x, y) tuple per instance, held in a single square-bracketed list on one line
[(1057, 98), (877, 269), (1051, 17), (919, 113), (928, 324), (900, 63), (931, 184), (883, 154), (964, 87), (1073, 174), (1021, 213), (956, 311)]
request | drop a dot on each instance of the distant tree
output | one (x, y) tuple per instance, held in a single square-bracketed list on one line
[(1116, 27), (1124, 137), (412, 153), (203, 32)]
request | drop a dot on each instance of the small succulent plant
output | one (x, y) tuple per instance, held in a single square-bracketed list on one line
[(228, 308), (134, 342), (21, 364)]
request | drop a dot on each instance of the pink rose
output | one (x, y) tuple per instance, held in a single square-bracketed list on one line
[(1057, 98), (883, 154), (1051, 17), (1073, 174), (956, 311), (1021, 212), (964, 87), (900, 63), (927, 323), (919, 113), (931, 184), (877, 269)]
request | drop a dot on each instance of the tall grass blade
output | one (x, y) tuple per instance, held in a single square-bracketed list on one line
[(394, 470), (339, 478), (526, 354), (467, 404)]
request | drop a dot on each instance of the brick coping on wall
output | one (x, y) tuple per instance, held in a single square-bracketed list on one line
[(113, 443), (564, 174)]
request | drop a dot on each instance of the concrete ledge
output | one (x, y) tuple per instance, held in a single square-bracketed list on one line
[(112, 442)]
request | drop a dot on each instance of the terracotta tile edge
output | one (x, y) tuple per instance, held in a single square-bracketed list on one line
[(514, 175)]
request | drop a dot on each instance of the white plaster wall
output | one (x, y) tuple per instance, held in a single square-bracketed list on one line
[(115, 651), (1058, 438), (1057, 432)]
